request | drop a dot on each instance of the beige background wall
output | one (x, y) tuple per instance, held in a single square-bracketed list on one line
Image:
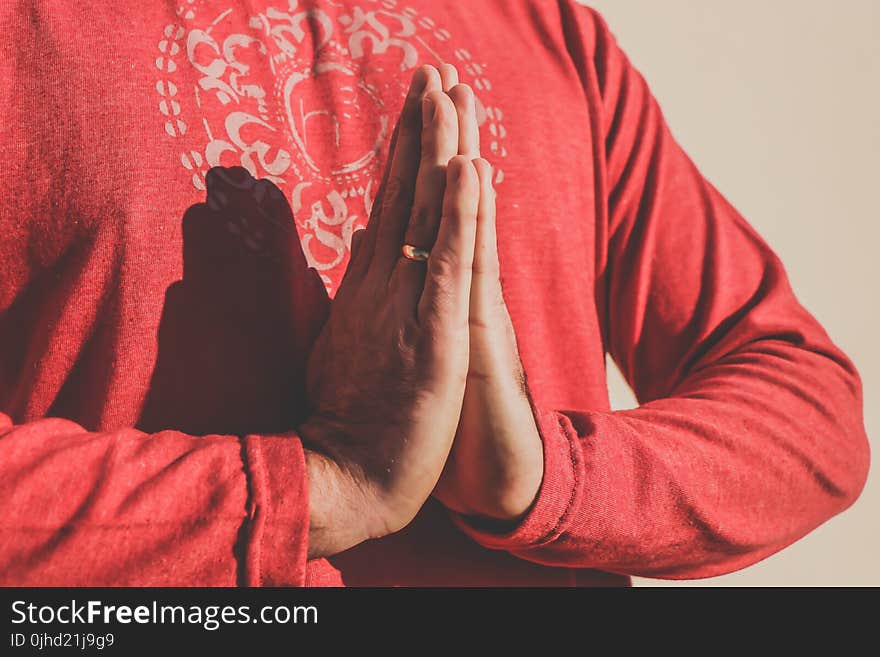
[(778, 102)]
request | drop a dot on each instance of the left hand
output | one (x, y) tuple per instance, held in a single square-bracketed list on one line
[(496, 464)]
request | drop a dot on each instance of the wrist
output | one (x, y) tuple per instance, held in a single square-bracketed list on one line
[(519, 465), (345, 504), (334, 523)]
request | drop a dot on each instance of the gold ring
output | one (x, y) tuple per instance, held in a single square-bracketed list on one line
[(411, 252)]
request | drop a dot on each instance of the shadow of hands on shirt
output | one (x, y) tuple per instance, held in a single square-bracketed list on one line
[(236, 331)]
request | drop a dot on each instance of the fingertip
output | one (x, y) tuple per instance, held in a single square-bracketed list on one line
[(357, 238), (458, 167), (432, 77), (435, 96), (464, 101), (461, 93), (449, 75), (423, 72), (419, 80), (484, 169)]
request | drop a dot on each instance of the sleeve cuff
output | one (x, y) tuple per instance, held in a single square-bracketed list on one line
[(278, 511), (557, 496)]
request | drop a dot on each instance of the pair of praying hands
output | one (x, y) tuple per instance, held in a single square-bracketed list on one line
[(415, 380)]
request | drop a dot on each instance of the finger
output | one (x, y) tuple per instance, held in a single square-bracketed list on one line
[(399, 187), (492, 334), (486, 283), (448, 75), (357, 241), (445, 298), (354, 267), (439, 144), (359, 262), (408, 280), (468, 129)]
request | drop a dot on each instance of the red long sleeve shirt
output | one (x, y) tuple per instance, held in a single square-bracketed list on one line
[(156, 311)]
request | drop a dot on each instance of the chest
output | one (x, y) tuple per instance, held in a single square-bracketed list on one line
[(121, 124)]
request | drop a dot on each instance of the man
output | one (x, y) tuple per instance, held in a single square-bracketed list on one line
[(183, 404)]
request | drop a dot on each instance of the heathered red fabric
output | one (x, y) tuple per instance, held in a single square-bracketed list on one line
[(153, 333)]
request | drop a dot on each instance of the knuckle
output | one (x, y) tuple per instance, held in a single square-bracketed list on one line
[(395, 194), (444, 266), (487, 268), (479, 323), (419, 223), (461, 94)]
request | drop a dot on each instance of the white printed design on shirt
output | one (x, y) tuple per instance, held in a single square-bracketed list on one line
[(340, 73)]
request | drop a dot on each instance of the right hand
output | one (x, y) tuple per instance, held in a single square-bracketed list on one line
[(386, 377)]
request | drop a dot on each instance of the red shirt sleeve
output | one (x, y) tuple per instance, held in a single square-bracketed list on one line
[(749, 432), (134, 509)]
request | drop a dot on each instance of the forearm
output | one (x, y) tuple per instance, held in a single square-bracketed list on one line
[(129, 508), (744, 458), (749, 432)]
